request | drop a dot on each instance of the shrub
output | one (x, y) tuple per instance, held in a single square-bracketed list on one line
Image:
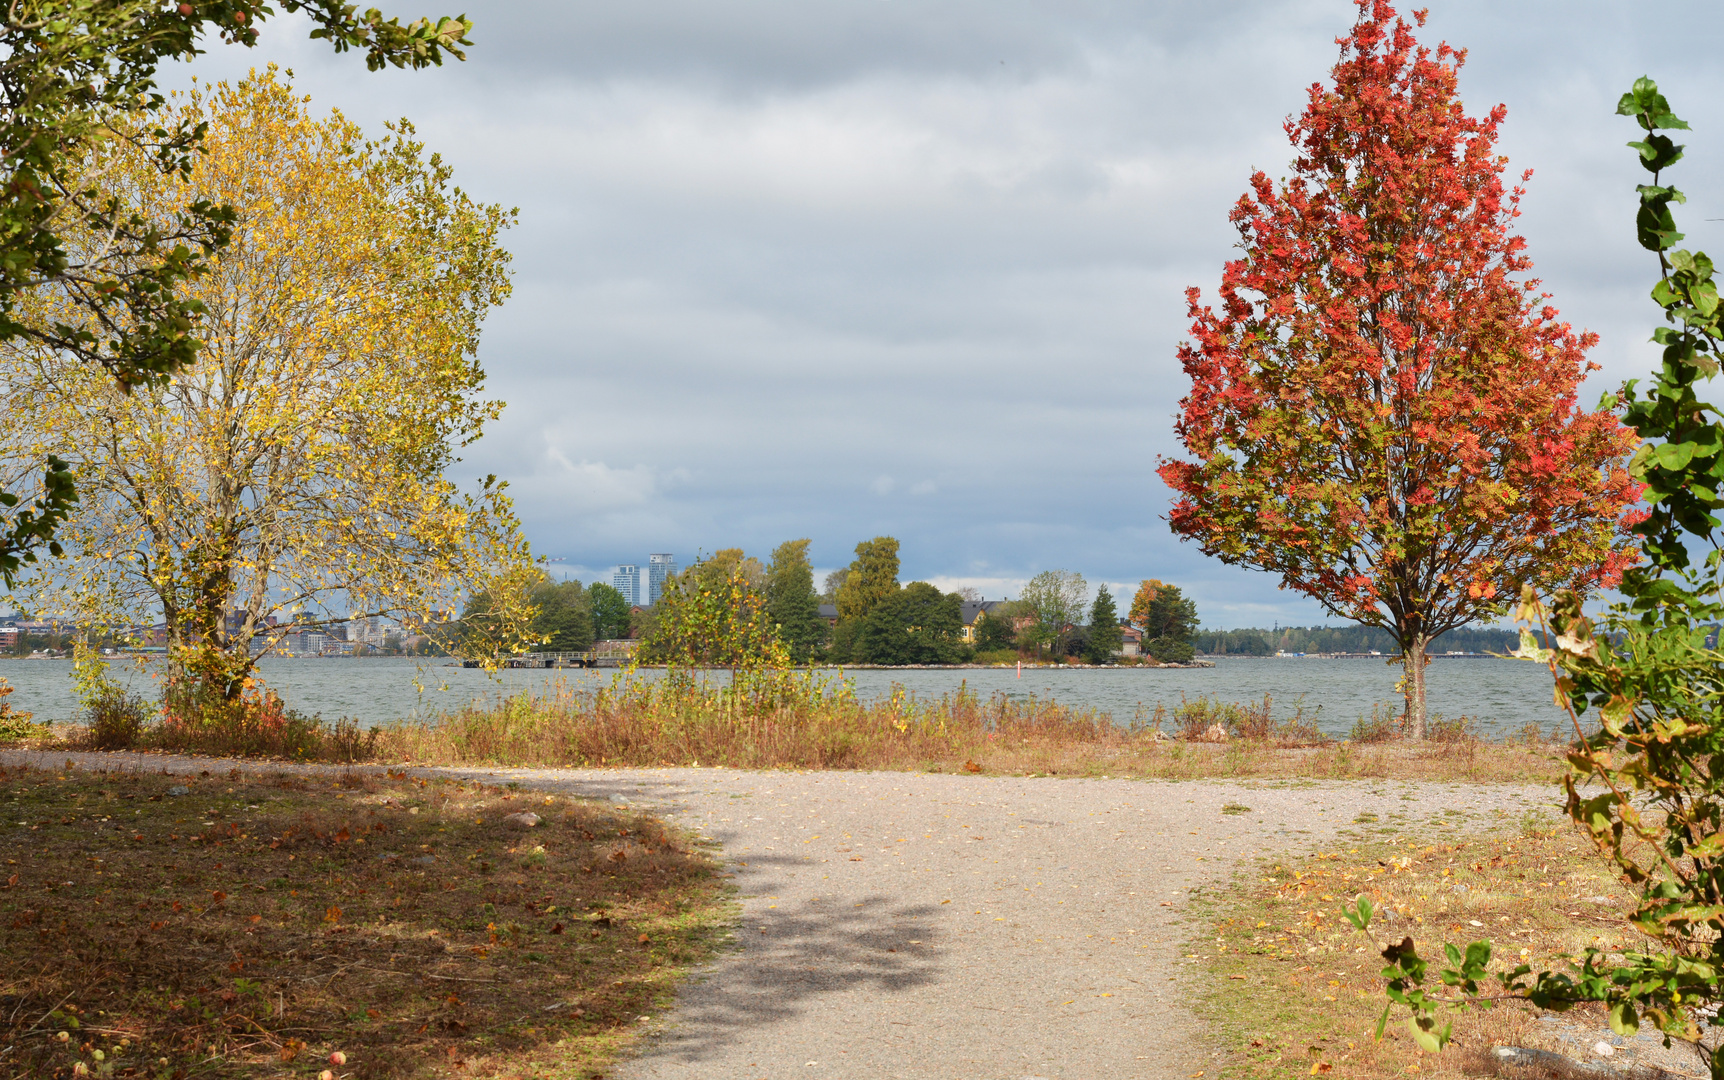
[(1253, 721), (1385, 724), (1256, 723), (116, 719), (1194, 719), (1299, 729), (1440, 729), (16, 725), (198, 720)]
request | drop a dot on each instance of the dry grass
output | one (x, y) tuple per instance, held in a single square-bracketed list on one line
[(639, 725), (1291, 987), (253, 928)]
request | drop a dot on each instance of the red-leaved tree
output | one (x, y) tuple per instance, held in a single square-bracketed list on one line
[(1383, 409)]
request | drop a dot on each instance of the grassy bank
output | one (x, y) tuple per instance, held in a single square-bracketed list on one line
[(1289, 987), (653, 724), (224, 927), (806, 720)]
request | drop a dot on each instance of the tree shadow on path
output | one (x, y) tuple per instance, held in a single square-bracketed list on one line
[(788, 956)]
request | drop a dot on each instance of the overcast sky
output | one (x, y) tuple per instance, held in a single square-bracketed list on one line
[(864, 267)]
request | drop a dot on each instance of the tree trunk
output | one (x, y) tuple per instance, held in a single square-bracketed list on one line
[(1413, 660)]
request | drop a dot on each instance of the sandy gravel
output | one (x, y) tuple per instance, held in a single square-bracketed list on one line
[(968, 927)]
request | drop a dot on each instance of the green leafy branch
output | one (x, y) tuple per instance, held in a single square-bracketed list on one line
[(1647, 782)]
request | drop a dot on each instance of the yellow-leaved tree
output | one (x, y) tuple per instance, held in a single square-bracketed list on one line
[(296, 475)]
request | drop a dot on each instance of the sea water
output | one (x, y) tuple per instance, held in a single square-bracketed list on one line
[(1503, 696)]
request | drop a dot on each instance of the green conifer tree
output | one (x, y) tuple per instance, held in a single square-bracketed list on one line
[(1105, 636)]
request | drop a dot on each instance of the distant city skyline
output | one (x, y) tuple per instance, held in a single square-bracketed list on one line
[(625, 578)]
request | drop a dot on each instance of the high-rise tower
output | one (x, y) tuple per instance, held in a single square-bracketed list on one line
[(627, 580), (660, 569)]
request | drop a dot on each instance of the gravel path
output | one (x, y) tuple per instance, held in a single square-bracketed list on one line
[(966, 927)]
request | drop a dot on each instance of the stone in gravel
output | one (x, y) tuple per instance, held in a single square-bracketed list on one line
[(1603, 1049), (525, 820), (424, 860), (178, 790)]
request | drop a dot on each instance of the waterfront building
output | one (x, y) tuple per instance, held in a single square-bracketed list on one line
[(660, 569), (627, 580), (968, 613)]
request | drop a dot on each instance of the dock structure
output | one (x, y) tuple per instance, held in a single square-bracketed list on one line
[(603, 654)]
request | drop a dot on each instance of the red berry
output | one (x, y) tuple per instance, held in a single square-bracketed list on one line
[(185, 9)]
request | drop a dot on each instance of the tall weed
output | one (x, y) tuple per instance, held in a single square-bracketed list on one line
[(803, 721)]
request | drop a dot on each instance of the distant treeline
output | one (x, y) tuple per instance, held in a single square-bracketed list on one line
[(1346, 639)]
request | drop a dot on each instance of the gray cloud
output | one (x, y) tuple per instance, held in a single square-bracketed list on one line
[(848, 268)]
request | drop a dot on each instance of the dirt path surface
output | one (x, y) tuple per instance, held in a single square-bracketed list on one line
[(964, 927)]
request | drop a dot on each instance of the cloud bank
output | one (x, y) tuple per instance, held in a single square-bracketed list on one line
[(855, 268)]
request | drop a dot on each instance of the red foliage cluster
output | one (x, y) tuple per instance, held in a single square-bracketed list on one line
[(1383, 411)]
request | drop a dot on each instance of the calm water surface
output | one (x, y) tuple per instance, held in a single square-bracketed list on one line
[(1503, 695)]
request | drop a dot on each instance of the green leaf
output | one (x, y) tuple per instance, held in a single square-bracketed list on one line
[(1623, 1020), (1383, 1020), (1674, 455), (1657, 228), (1359, 916), (1704, 296), (1427, 1040)]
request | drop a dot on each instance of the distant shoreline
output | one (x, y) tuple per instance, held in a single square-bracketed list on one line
[(946, 667)]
